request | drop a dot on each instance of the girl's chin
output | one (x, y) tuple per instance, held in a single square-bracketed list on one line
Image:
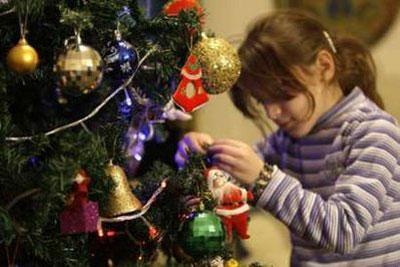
[(296, 132)]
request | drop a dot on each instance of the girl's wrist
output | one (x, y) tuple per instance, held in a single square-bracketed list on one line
[(262, 181)]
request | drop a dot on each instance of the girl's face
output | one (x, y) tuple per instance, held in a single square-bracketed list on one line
[(293, 116), (298, 116)]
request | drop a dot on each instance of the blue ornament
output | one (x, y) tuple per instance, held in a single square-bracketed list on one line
[(121, 59), (125, 107), (34, 162)]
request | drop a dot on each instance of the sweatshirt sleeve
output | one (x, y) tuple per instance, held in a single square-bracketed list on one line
[(267, 149), (363, 191)]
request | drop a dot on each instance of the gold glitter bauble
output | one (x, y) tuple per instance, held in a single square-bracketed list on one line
[(79, 70), (121, 199), (219, 62), (22, 58)]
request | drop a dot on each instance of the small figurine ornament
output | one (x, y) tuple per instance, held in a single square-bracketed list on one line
[(232, 200), (80, 215), (190, 94)]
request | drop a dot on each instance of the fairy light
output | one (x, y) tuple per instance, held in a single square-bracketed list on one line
[(111, 233), (100, 231)]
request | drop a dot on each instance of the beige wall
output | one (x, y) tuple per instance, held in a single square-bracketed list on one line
[(387, 57), (228, 18), (269, 241)]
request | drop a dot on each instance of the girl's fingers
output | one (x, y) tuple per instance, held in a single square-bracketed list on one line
[(192, 202), (224, 149), (225, 167), (197, 142), (224, 159), (192, 144), (229, 142), (206, 140), (183, 149), (180, 160)]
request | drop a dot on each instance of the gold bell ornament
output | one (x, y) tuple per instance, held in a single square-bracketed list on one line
[(219, 62), (121, 199), (79, 67)]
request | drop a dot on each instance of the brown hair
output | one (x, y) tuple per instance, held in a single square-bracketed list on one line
[(279, 41)]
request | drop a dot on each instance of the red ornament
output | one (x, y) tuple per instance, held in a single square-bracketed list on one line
[(174, 7), (190, 94), (81, 215)]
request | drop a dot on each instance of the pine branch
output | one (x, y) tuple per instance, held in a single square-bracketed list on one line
[(37, 173), (91, 114)]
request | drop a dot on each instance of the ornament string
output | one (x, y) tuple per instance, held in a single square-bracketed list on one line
[(146, 222), (23, 25), (94, 111), (143, 211)]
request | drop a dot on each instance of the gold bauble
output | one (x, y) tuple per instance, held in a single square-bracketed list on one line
[(121, 199), (22, 58), (219, 62), (79, 70)]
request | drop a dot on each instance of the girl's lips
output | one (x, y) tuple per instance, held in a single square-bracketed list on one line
[(288, 126), (283, 125)]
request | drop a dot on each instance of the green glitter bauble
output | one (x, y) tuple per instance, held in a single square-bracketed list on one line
[(202, 236)]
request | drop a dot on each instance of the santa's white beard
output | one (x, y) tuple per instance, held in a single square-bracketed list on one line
[(226, 189), (218, 194)]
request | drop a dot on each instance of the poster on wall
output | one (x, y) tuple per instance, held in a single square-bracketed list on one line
[(368, 20)]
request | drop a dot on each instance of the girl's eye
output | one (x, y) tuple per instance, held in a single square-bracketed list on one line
[(267, 102), (264, 102)]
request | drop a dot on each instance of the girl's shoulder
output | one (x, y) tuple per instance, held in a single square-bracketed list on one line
[(364, 121)]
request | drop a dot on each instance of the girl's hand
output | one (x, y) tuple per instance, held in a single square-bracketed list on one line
[(236, 158), (190, 203), (191, 142)]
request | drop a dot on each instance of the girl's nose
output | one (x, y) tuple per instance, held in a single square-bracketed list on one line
[(273, 111)]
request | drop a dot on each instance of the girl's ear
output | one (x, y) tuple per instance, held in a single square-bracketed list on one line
[(325, 64)]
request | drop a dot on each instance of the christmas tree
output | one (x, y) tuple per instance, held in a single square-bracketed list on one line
[(91, 92)]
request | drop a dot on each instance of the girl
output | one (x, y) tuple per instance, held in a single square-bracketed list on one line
[(331, 171)]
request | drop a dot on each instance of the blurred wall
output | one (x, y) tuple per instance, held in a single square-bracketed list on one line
[(269, 242)]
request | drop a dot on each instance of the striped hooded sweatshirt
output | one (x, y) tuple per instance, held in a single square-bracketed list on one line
[(338, 188)]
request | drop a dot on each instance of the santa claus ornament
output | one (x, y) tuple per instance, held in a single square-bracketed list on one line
[(190, 94), (231, 200)]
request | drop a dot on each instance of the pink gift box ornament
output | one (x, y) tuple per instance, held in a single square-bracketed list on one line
[(82, 215)]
